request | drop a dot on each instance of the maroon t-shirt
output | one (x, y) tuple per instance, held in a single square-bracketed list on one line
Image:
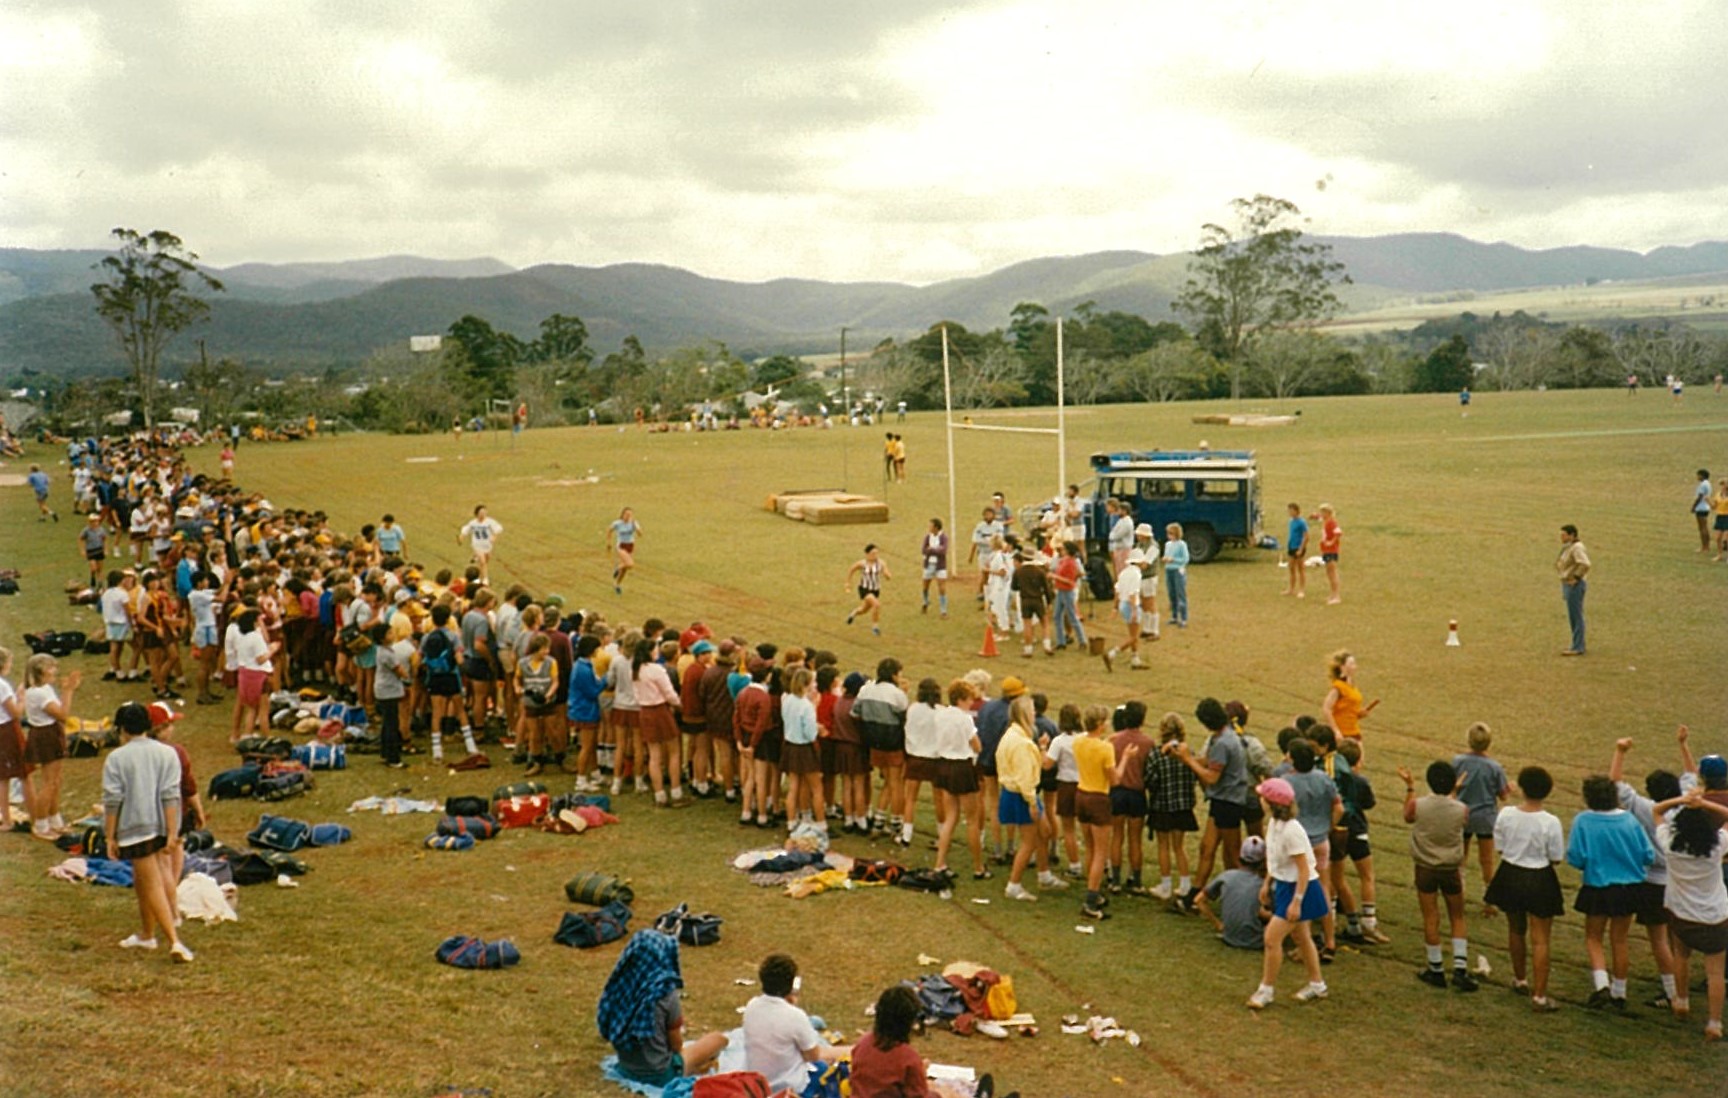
[(897, 1073)]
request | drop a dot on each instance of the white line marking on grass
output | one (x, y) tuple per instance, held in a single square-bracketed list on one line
[(420, 461), (1599, 434)]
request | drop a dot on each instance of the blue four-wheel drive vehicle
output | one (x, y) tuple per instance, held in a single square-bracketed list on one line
[(1213, 494)]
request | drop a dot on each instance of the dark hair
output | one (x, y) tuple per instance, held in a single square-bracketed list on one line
[(644, 652), (1287, 736), (936, 522), (1210, 712), (853, 683), (1302, 756), (1695, 832), (247, 621), (1304, 723), (1569, 529), (887, 669), (1662, 785), (1442, 778), (1600, 794), (767, 651), (1040, 704), (929, 692), (587, 646), (1535, 783), (1323, 738), (1133, 714), (441, 615), (1237, 711), (825, 676), (776, 974), (897, 1009)]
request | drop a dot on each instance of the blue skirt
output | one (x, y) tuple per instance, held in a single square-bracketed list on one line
[(1012, 810), (1313, 901)]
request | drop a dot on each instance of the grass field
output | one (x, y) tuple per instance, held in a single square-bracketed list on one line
[(331, 989), (1696, 301)]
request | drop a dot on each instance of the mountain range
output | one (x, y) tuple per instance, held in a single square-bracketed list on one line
[(310, 315)]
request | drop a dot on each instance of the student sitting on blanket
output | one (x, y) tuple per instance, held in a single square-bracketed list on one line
[(641, 1016)]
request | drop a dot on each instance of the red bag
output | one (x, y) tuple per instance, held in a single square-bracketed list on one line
[(521, 811), (731, 1084)]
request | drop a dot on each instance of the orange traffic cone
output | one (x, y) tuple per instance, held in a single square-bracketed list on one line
[(989, 649)]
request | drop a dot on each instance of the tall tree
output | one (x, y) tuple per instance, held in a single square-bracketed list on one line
[(1446, 369), (562, 339), (149, 295), (484, 359), (1256, 276)]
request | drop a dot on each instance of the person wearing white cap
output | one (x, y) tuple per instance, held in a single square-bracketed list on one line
[(1128, 582), (1241, 918), (1148, 582)]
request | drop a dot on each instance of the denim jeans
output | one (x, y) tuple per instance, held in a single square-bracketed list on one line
[(1573, 593), (1177, 584), (1066, 611)]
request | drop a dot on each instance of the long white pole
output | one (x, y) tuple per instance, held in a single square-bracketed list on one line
[(1061, 419), (948, 403)]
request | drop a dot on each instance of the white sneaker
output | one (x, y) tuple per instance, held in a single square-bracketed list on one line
[(1161, 892), (1017, 892), (135, 942), (180, 953), (1050, 880), (1261, 999), (617, 786), (1312, 992)]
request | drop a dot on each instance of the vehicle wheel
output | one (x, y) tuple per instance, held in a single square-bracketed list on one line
[(1202, 542), (1098, 577)]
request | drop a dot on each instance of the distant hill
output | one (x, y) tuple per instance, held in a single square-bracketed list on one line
[(308, 315)]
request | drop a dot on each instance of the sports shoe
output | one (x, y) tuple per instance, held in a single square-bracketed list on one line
[(1544, 1005), (1432, 977), (1050, 880), (1017, 892), (1659, 1001), (1374, 936), (1598, 999), (1261, 999), (135, 942), (1137, 664), (1312, 992), (180, 953), (1463, 980), (1088, 911), (1160, 891)]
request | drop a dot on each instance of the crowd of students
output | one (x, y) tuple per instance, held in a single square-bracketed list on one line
[(266, 599)]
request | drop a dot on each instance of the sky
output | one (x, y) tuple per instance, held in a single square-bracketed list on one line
[(902, 140)]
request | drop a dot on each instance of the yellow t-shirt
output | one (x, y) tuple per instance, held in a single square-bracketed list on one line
[(1347, 711), (1096, 760)]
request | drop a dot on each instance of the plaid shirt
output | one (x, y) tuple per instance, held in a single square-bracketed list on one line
[(1169, 784)]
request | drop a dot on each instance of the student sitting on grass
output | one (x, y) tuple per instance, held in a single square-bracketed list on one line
[(1241, 918), (884, 1063), (642, 1017), (778, 1037)]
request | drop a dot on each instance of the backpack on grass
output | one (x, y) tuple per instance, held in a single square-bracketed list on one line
[(242, 781), (587, 929), (598, 889), (466, 806), (280, 833)]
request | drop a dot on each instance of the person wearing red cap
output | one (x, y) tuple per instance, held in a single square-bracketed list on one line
[(162, 718), (141, 822), (1291, 892)]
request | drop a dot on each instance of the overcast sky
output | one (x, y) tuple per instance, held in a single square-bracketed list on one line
[(888, 139)]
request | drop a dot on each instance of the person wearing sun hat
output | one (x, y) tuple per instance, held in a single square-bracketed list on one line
[(141, 823), (1292, 893)]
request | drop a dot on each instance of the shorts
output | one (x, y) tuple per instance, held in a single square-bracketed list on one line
[(887, 760), (1294, 554), (934, 571), (1608, 901), (1479, 829), (447, 684), (657, 724), (1431, 879), (1013, 811), (1032, 609), (800, 758), (869, 593), (478, 670), (44, 744), (769, 747), (131, 852), (96, 554), (117, 633), (1127, 802), (204, 636), (11, 751), (585, 728), (251, 685), (1313, 901), (956, 777), (1706, 938), (920, 768), (1721, 524), (151, 641), (1329, 558), (1359, 849), (1066, 799), (674, 1069), (1047, 780), (1253, 812), (1651, 911), (1519, 890), (626, 554), (1092, 809), (1172, 821), (1226, 815), (1129, 612)]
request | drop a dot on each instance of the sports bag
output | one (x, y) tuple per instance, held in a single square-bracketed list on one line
[(197, 841), (242, 781), (691, 930), (877, 871), (321, 756), (261, 748), (84, 745), (93, 841), (435, 841), (579, 800), (731, 1084), (521, 811), (55, 644), (517, 789), (480, 827), (96, 646), (927, 880), (463, 951), (280, 786), (587, 929), (264, 866), (466, 806), (328, 834), (355, 641), (279, 833), (597, 889)]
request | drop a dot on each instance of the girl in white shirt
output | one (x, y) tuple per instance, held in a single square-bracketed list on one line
[(1695, 843), (11, 731), (46, 711), (955, 744), (1525, 887), (1292, 892), (252, 660)]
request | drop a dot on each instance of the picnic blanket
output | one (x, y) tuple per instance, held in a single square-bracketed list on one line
[(731, 1059)]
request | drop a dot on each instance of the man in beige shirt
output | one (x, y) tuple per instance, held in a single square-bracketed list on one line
[(1573, 564)]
